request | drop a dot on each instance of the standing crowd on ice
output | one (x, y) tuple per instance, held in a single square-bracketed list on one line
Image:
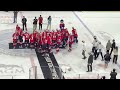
[(46, 40)]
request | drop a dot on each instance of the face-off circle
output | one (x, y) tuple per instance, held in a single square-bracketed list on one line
[(6, 38)]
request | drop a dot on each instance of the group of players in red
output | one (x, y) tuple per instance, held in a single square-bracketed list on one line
[(45, 40)]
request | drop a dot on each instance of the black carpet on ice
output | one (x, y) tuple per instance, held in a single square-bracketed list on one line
[(44, 66), (58, 70), (17, 46)]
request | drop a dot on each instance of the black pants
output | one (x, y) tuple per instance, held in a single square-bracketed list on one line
[(76, 40), (115, 59), (111, 51), (93, 49), (95, 54), (107, 50), (40, 26), (89, 66), (24, 25), (15, 18), (83, 53), (101, 54)]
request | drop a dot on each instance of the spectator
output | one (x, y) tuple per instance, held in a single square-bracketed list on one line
[(113, 46), (100, 47), (113, 74), (108, 46), (83, 50), (90, 61), (107, 59), (115, 57)]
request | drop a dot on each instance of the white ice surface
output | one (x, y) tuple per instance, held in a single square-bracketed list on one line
[(105, 25)]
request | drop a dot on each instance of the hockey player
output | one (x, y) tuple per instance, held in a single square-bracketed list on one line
[(15, 39), (17, 27), (32, 41), (66, 36), (40, 40), (35, 35), (44, 34), (54, 38), (26, 36), (70, 41), (74, 32), (45, 44), (20, 38), (59, 40), (62, 25), (83, 49), (49, 43)]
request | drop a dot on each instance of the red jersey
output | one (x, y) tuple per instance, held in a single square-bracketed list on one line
[(62, 25), (20, 32), (58, 33), (35, 34), (26, 35), (31, 38), (40, 39), (15, 36), (49, 39), (70, 39), (59, 40), (44, 35), (74, 32), (54, 37), (66, 33), (17, 27), (40, 20), (45, 41)]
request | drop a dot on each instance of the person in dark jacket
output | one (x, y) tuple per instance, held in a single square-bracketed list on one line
[(113, 46), (90, 61), (34, 24), (107, 58), (113, 74), (24, 21), (15, 16)]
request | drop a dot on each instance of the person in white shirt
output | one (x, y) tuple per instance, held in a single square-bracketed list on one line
[(83, 50), (115, 57), (100, 48)]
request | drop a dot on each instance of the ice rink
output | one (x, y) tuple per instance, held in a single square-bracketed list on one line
[(16, 64)]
